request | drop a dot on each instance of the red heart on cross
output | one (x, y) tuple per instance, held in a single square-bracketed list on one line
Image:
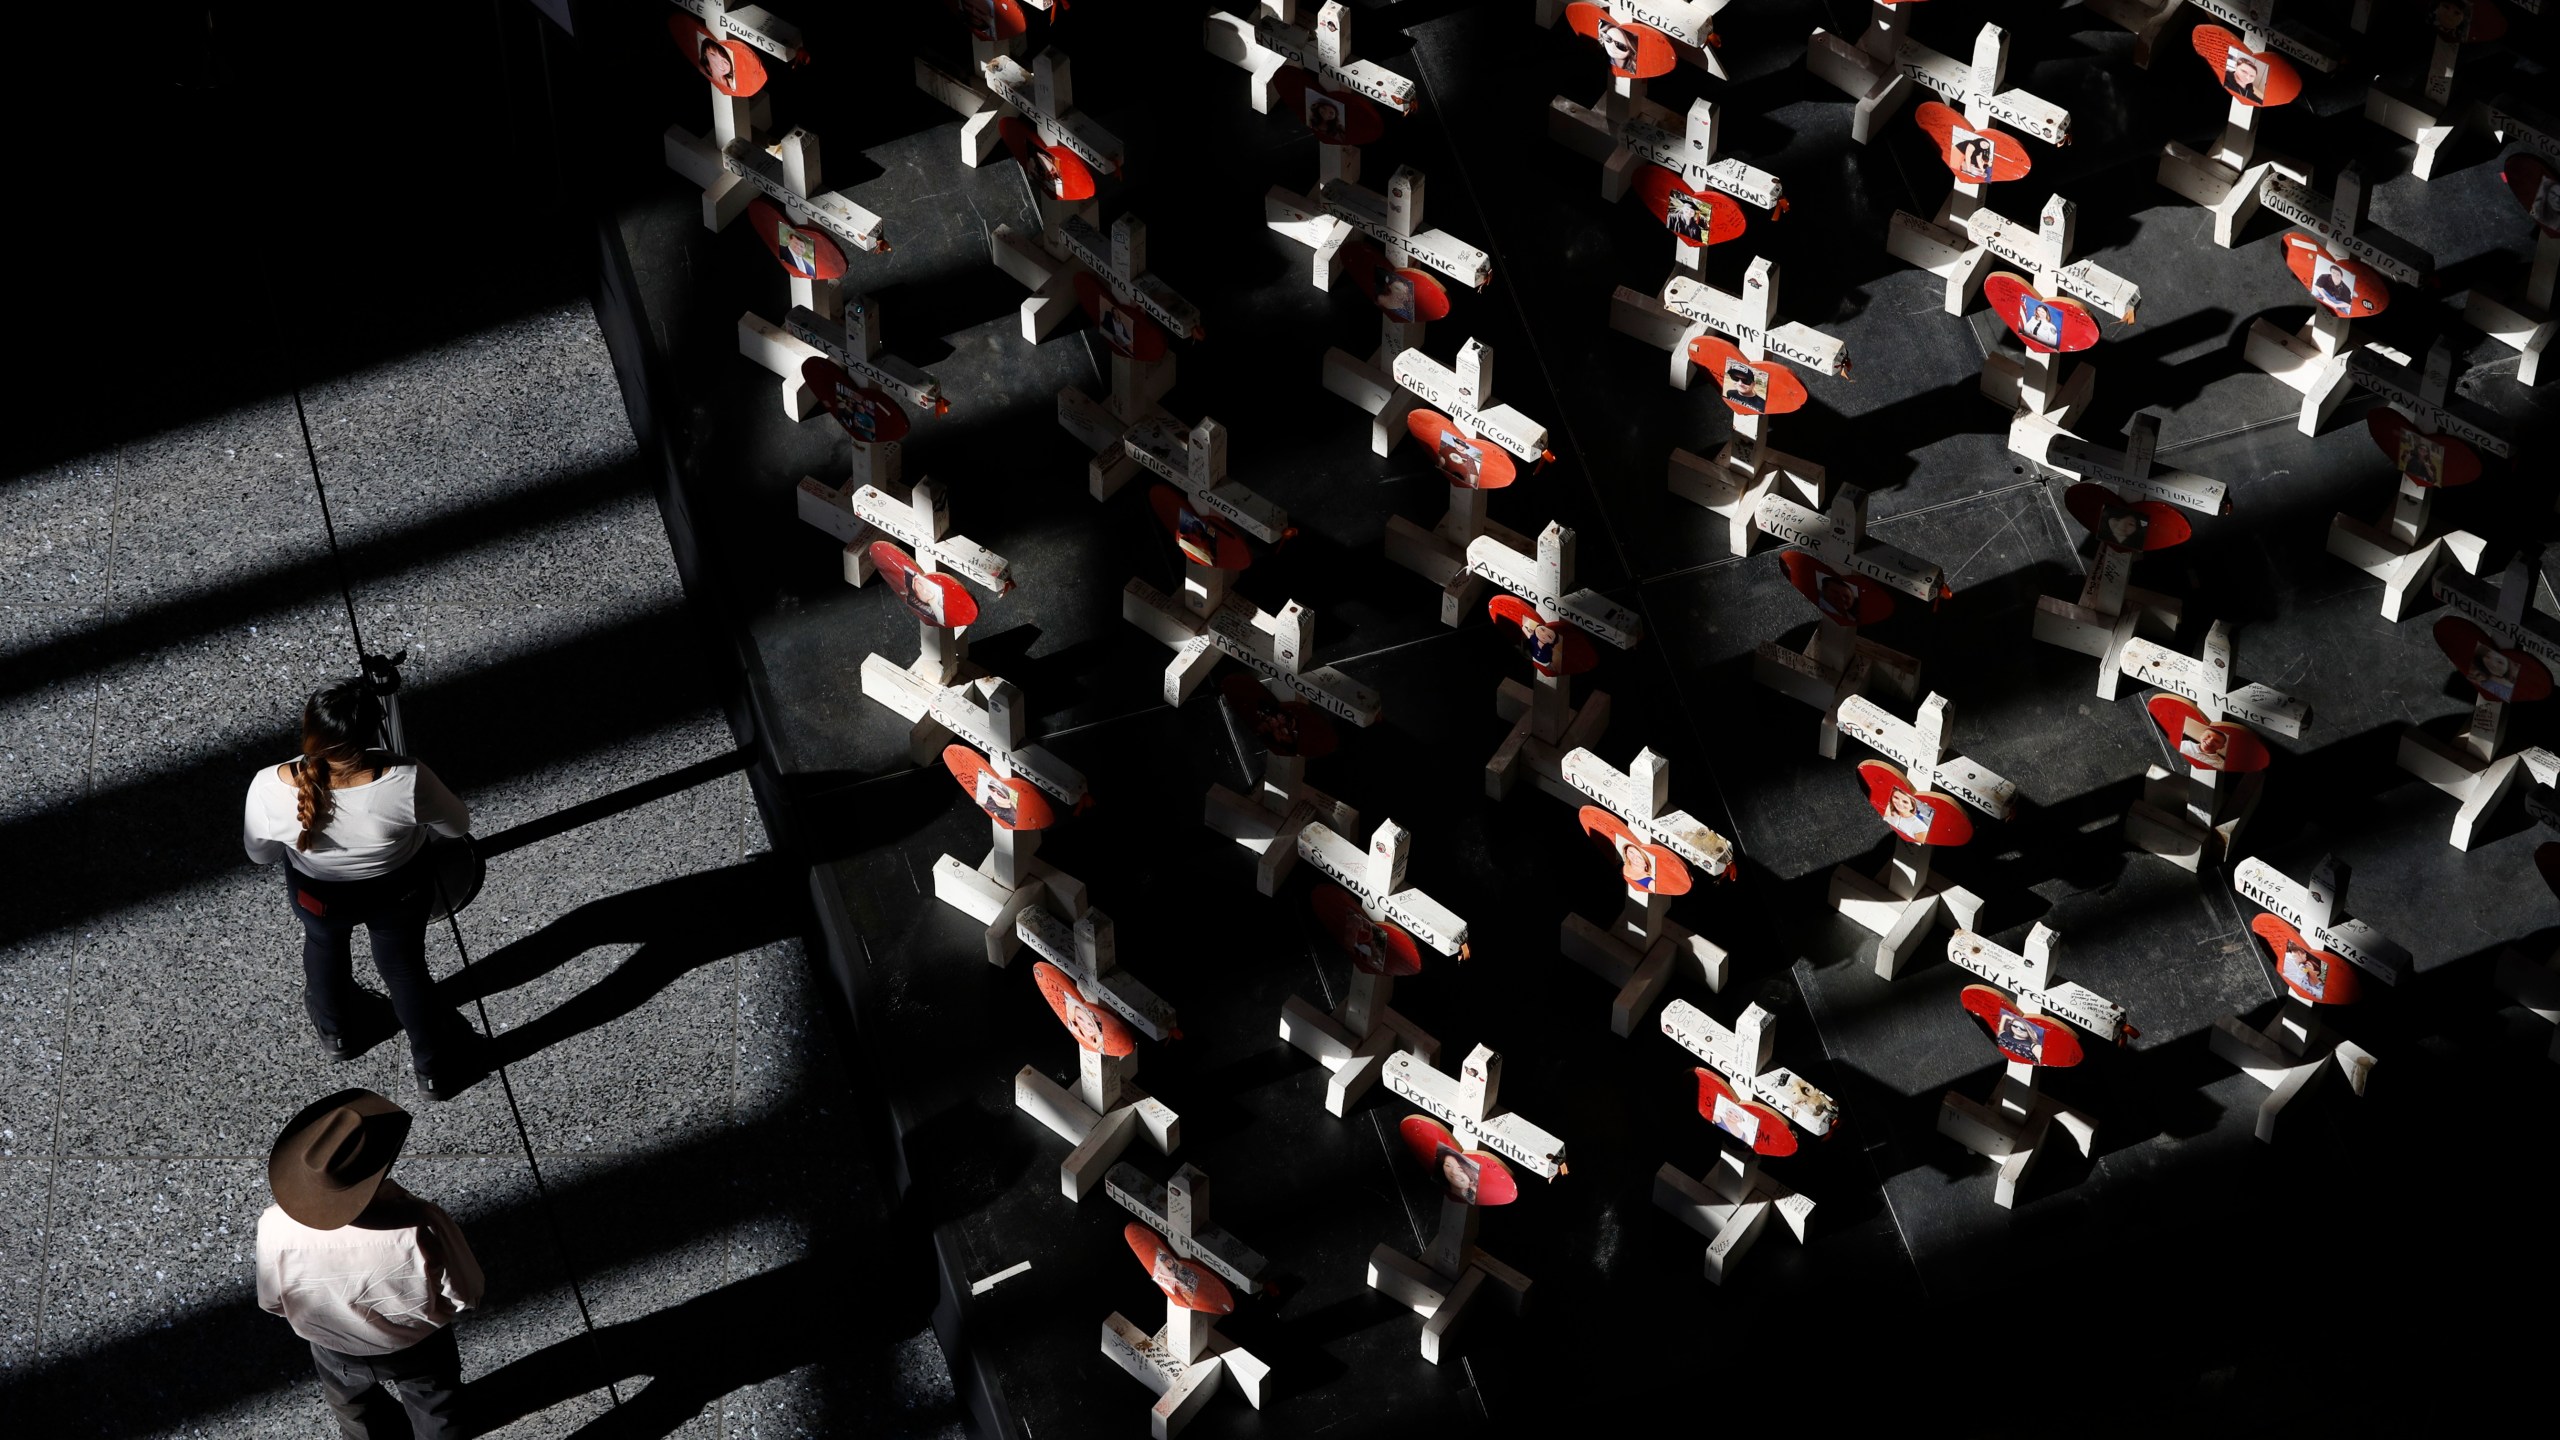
[(1404, 295), (1843, 599), (1203, 539), (1376, 947), (1473, 463), (1634, 52), (802, 250), (1055, 170), (2422, 456), (1747, 386), (2536, 187), (935, 600), (1923, 817), (2250, 77), (733, 67), (2027, 1039), (1334, 117), (2128, 525), (1127, 329), (2498, 674), (1694, 217), (1976, 154), (1094, 1028), (2044, 325), (1643, 866), (1470, 1177), (866, 414), (1754, 1124), (2342, 287), (1556, 647), (2224, 745), (1287, 727), (2310, 972), (1009, 802), (1193, 1287)]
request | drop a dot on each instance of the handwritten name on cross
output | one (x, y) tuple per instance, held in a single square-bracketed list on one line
[(1196, 464), (1467, 1103), (989, 713), (2421, 395), (1838, 538), (1749, 320), (1120, 263), (854, 343), (1273, 40), (2029, 978), (2314, 909), (2041, 253), (1179, 1212), (1919, 746), (1541, 580), (750, 24), (2205, 680), (1326, 219), (2503, 609), (2340, 227), (1274, 647), (787, 172), (1975, 88), (1691, 154), (1640, 795), (2131, 471), (919, 522), (1461, 394), (1376, 879), (1090, 956), (1742, 1054), (1043, 93)]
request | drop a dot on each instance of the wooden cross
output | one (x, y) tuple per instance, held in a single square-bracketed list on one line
[(2295, 1047), (1868, 72), (921, 521), (967, 92), (1904, 899), (734, 119), (2226, 179), (849, 335), (2011, 1126), (2110, 609), (1184, 1362), (1352, 1041), (1120, 264), (1465, 395), (1731, 1203), (989, 713), (1441, 1283), (2429, 118), (1624, 129), (1273, 40), (1638, 953), (1949, 246), (2186, 815), (2525, 324), (1325, 222), (1041, 95), (2313, 360), (2470, 767), (1283, 803), (1273, 647), (1837, 663), (1545, 722), (787, 172), (2396, 549), (1106, 1110), (1748, 469), (1195, 463), (2032, 386)]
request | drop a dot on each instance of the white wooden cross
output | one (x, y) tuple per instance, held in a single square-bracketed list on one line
[(1273, 40), (1042, 95), (1465, 395), (1185, 1361), (734, 120), (1267, 823), (1273, 646), (2145, 19), (787, 172), (1731, 1203), (1545, 722), (2225, 180), (1325, 222), (1837, 663), (1624, 129), (2396, 548), (849, 335), (1870, 71), (989, 714), (1949, 246), (2189, 816), (1638, 952), (2012, 1125), (2428, 117), (1904, 899), (2031, 386), (1440, 1284), (1360, 1032), (2525, 324), (1691, 155), (2469, 768), (2295, 1048), (1107, 1109), (1195, 463), (2313, 360), (920, 520), (1120, 264), (1748, 469), (969, 94), (2110, 608)]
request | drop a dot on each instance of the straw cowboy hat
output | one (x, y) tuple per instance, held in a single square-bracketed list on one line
[(330, 1160)]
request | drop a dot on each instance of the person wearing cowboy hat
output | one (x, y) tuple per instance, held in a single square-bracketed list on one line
[(366, 1272)]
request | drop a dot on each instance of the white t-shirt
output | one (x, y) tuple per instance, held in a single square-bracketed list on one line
[(363, 1290), (374, 829)]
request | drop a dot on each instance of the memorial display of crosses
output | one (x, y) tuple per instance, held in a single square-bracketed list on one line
[(730, 47), (1370, 914), (2250, 62), (2504, 640), (1756, 1109), (2129, 508), (2349, 267), (1069, 264), (825, 354), (1952, 246), (1465, 1151), (1138, 316), (1107, 1011), (1015, 785), (1654, 847), (2318, 954), (1474, 443), (2433, 442), (1556, 625), (1193, 1262), (1846, 576), (1923, 803), (2024, 1011), (2187, 814)]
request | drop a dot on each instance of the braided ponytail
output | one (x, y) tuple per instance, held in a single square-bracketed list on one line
[(339, 725)]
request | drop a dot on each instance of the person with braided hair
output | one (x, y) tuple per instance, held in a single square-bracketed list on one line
[(350, 823)]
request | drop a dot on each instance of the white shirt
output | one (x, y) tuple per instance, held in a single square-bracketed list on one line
[(362, 1290), (373, 830)]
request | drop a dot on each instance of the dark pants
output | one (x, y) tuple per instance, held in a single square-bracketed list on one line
[(428, 1376), (393, 911)]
